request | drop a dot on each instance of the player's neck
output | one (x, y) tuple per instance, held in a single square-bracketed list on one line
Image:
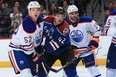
[(34, 20), (73, 21)]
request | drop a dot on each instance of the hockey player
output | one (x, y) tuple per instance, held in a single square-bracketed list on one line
[(23, 43), (57, 43), (110, 30), (81, 31)]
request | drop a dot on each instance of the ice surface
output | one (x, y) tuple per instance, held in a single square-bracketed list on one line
[(81, 70)]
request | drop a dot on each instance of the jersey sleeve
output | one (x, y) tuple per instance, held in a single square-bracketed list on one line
[(110, 24), (22, 41), (115, 35), (94, 28), (15, 37), (111, 21)]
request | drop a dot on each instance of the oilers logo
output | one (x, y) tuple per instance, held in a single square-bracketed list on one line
[(76, 36), (38, 37)]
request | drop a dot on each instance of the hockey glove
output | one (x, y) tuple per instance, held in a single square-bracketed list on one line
[(39, 49), (77, 52), (93, 45), (74, 48), (38, 58)]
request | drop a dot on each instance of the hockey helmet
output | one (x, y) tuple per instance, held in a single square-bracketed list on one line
[(33, 4), (72, 8), (59, 10)]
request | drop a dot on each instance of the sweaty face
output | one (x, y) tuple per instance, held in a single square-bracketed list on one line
[(73, 16), (34, 13), (59, 18)]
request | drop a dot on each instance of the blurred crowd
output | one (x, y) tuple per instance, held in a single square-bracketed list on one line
[(12, 12), (108, 8)]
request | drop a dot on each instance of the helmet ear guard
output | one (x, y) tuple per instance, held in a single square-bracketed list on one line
[(58, 10), (72, 8), (33, 4)]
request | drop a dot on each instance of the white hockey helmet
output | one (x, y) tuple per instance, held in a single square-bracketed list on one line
[(33, 4), (72, 8)]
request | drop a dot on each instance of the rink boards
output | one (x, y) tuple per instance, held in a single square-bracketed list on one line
[(101, 52)]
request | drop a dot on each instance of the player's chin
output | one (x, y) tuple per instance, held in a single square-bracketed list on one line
[(59, 22), (35, 16)]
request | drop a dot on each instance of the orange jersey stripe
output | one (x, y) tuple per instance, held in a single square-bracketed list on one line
[(13, 61)]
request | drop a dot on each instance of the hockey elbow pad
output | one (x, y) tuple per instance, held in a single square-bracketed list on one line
[(93, 45)]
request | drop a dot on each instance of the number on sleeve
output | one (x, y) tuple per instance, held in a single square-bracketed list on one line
[(108, 22)]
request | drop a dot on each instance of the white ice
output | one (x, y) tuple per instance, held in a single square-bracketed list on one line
[(81, 70)]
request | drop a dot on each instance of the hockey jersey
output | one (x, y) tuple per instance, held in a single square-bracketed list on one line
[(110, 26), (57, 37), (80, 34), (28, 35)]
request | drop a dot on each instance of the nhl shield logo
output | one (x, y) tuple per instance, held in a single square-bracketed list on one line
[(38, 37)]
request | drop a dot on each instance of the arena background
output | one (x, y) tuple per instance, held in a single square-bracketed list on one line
[(97, 9)]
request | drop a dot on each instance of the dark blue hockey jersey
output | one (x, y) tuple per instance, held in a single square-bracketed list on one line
[(57, 37)]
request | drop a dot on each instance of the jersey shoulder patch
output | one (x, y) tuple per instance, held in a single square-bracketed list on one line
[(28, 25), (84, 19), (64, 28)]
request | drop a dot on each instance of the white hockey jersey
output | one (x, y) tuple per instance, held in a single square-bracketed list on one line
[(27, 36), (110, 26), (80, 35)]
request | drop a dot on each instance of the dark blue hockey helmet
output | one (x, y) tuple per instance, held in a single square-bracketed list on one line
[(58, 10)]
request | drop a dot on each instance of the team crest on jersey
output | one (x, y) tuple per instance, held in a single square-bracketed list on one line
[(76, 36), (65, 31), (38, 37)]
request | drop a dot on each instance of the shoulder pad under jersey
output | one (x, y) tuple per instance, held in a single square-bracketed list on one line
[(28, 25), (49, 19), (83, 19), (40, 19), (113, 12), (64, 28)]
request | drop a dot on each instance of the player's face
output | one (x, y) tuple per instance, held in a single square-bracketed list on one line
[(59, 18), (34, 13), (74, 15)]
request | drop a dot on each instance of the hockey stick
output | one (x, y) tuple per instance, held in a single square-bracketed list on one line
[(68, 63), (44, 69), (57, 70), (97, 51)]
